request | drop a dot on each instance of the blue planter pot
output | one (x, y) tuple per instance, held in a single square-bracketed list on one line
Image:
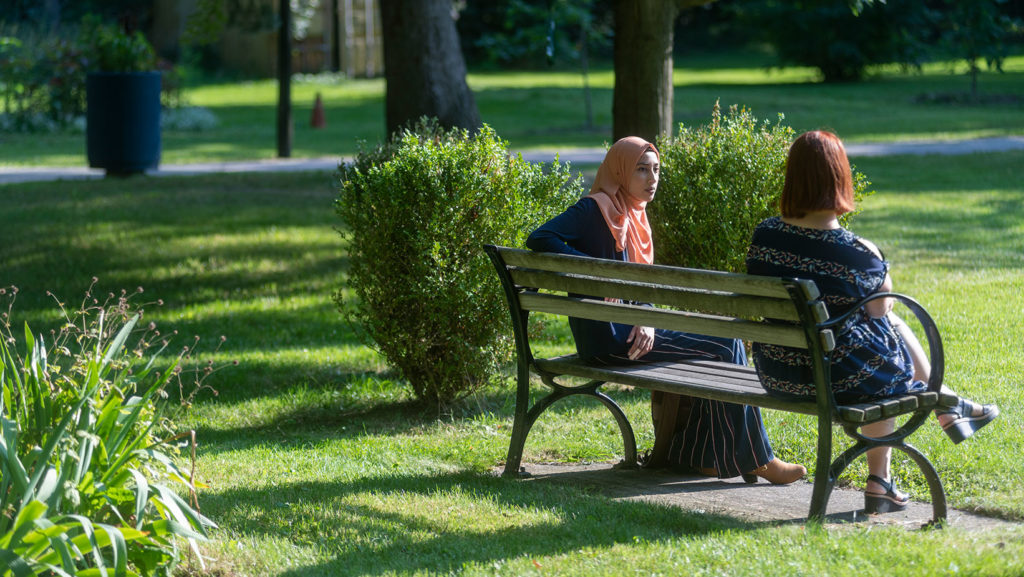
[(123, 121)]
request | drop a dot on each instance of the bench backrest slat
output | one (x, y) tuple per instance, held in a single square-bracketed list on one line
[(733, 304), (653, 274), (778, 334), (768, 310)]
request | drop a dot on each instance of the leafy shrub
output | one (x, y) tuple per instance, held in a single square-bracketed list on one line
[(111, 49), (43, 75), (42, 82), (86, 451), (417, 212), (718, 182)]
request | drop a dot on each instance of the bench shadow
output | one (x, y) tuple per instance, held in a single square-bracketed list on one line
[(372, 533), (760, 503)]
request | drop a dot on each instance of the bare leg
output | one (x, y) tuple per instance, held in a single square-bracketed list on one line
[(922, 371), (922, 366), (880, 458)]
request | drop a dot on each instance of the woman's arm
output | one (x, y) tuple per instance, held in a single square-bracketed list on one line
[(881, 307)]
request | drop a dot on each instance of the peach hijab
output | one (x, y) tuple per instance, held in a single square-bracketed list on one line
[(626, 217)]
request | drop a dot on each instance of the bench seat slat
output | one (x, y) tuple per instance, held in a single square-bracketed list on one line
[(656, 274), (662, 377), (785, 335), (719, 303), (710, 379), (725, 378), (872, 411)]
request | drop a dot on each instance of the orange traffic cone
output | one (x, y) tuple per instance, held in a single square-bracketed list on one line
[(318, 120)]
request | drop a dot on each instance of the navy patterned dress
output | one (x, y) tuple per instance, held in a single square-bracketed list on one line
[(870, 360)]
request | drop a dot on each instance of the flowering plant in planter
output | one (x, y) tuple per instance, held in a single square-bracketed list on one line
[(111, 49), (123, 100)]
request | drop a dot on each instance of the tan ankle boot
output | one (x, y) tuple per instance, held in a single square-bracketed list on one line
[(779, 472)]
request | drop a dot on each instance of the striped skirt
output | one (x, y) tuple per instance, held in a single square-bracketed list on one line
[(727, 437)]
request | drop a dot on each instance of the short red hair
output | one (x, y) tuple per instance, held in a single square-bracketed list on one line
[(817, 176)]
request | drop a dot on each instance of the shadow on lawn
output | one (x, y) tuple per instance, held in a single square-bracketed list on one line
[(385, 524), (188, 240), (348, 413)]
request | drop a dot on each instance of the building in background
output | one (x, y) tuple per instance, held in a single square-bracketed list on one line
[(329, 35)]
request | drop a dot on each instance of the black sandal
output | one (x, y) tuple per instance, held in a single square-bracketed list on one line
[(965, 422), (887, 502)]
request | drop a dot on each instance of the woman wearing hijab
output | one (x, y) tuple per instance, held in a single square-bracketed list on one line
[(718, 439)]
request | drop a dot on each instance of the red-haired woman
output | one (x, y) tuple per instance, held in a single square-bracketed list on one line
[(876, 354)]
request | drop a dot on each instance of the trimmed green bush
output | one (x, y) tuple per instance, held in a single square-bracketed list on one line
[(417, 212), (717, 183)]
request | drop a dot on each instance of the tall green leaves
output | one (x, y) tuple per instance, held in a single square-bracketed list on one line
[(82, 467), (417, 214)]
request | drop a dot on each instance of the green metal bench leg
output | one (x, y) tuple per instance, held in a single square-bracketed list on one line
[(835, 469), (934, 483), (629, 458), (524, 421), (515, 448), (824, 480), (819, 501), (520, 428)]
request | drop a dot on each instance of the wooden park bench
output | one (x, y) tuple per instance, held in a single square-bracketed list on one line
[(780, 311)]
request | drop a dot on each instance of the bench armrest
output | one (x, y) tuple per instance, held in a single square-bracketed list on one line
[(935, 354)]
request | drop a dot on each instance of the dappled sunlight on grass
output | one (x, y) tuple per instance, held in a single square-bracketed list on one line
[(318, 461), (684, 76), (434, 520)]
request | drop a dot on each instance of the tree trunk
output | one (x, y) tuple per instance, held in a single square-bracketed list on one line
[(51, 15), (335, 29), (642, 101), (423, 66)]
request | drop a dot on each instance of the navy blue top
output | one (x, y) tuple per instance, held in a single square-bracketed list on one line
[(582, 231), (870, 360)]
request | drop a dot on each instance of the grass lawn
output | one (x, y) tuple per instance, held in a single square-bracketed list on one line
[(318, 463), (545, 109)]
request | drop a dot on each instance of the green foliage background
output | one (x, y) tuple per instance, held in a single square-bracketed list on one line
[(718, 182)]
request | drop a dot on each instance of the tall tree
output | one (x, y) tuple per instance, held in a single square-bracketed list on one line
[(423, 66), (977, 30), (642, 100), (839, 38)]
